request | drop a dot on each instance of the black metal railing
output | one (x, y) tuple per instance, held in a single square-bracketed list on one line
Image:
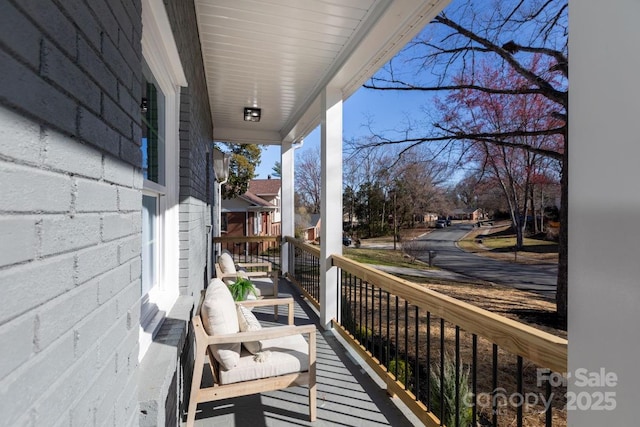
[(456, 363), (252, 249), (304, 262)]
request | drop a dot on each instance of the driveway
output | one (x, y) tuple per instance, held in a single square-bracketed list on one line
[(540, 278)]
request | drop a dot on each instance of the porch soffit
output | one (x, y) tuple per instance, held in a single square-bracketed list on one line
[(278, 55)]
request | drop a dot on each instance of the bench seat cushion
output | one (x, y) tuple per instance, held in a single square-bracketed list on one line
[(219, 317), (225, 261), (263, 285), (282, 356)]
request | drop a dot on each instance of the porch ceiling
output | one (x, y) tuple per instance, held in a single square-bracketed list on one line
[(278, 55)]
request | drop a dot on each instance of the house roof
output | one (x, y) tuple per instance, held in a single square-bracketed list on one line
[(256, 200), (265, 187), (459, 211), (307, 221)]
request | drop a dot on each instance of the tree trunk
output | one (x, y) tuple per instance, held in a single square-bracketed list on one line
[(534, 211), (563, 239)]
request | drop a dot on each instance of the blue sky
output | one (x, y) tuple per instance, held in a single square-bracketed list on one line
[(384, 109)]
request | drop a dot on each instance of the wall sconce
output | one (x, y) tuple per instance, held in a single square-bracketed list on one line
[(221, 165), (252, 114)]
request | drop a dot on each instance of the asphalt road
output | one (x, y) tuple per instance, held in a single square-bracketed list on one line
[(540, 278)]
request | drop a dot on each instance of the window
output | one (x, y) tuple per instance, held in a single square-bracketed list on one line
[(153, 128), (152, 146), (162, 76), (224, 222)]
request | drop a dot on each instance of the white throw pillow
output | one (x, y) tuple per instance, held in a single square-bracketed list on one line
[(226, 263), (219, 317), (248, 322)]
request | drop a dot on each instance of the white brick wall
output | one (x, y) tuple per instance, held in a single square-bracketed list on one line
[(70, 237)]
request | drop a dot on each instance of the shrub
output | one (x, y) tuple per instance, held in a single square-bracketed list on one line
[(401, 370), (465, 412)]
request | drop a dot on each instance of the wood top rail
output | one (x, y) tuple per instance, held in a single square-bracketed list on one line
[(245, 239), (544, 349), (314, 250)]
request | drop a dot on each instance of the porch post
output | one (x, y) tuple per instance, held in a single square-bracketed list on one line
[(287, 208), (331, 201)]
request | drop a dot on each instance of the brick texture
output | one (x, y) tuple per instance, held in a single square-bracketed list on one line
[(70, 211)]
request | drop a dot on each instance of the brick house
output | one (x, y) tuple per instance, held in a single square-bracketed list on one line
[(254, 213)]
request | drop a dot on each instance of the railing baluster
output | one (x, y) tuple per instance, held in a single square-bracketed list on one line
[(429, 360), (416, 364), (359, 331), (373, 314), (406, 344), (395, 340), (380, 324), (474, 379), (457, 385), (365, 342), (519, 386), (494, 391), (548, 416), (388, 343), (441, 371)]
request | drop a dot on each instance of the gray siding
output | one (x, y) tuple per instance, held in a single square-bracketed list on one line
[(69, 212)]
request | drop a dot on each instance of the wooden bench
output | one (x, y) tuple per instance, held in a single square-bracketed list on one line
[(265, 279), (284, 344)]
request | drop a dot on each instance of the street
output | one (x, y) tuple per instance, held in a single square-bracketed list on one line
[(540, 278)]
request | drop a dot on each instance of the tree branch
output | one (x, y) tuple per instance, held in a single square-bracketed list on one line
[(498, 139)]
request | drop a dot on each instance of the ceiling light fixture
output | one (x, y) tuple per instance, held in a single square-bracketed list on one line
[(252, 114)]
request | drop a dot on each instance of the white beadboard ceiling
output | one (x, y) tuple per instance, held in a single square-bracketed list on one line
[(278, 55)]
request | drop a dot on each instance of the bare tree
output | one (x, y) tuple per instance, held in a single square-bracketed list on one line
[(308, 179), (448, 56)]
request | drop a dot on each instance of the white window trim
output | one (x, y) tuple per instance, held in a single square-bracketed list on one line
[(161, 54)]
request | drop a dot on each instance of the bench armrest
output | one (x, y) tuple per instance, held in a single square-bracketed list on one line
[(255, 264), (262, 334), (268, 301)]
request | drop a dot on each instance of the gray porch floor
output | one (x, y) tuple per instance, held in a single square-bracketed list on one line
[(347, 394)]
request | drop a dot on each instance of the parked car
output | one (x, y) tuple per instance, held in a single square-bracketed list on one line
[(441, 223), (448, 221), (346, 240)]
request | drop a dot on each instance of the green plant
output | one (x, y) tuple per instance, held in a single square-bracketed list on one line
[(465, 412), (363, 333), (240, 289), (401, 370)]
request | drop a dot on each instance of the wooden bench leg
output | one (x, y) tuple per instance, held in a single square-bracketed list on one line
[(196, 381), (312, 377)]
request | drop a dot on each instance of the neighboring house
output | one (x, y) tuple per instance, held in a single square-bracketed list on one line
[(349, 221), (428, 217), (469, 214), (308, 226), (255, 213)]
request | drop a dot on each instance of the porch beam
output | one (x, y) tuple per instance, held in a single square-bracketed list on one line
[(331, 200)]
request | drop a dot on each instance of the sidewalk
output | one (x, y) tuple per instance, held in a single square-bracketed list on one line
[(433, 274)]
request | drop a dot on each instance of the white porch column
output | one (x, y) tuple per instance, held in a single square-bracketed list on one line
[(287, 217), (604, 209), (331, 201)]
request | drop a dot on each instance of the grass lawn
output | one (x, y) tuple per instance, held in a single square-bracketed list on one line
[(499, 241), (382, 257)]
